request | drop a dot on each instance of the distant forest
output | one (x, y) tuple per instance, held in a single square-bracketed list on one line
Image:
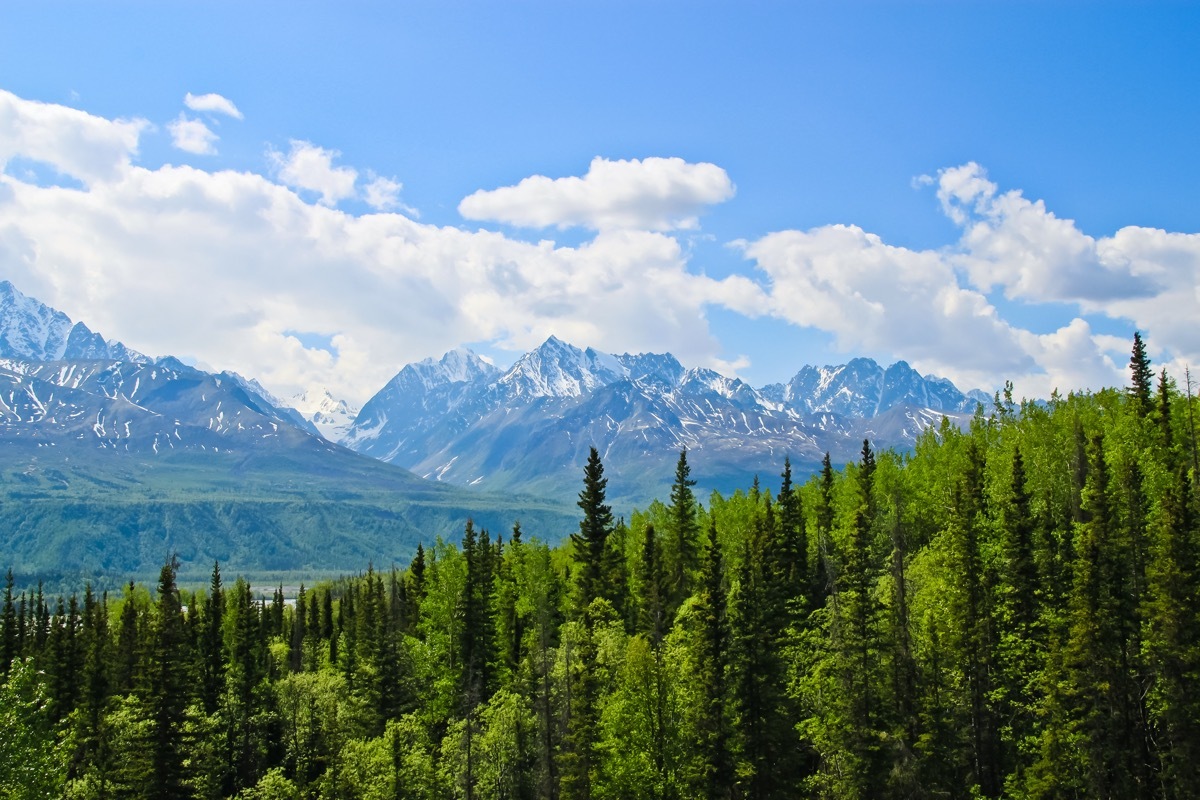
[(1009, 610)]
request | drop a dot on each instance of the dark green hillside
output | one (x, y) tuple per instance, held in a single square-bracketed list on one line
[(315, 509)]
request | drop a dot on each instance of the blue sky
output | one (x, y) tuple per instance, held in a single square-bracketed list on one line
[(990, 191)]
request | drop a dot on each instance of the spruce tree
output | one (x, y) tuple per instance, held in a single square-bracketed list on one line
[(577, 758), (1098, 681), (129, 644), (1141, 376), (167, 694), (793, 549), (1172, 640), (823, 574), (653, 592), (685, 534), (8, 644), (594, 529), (714, 777), (212, 643)]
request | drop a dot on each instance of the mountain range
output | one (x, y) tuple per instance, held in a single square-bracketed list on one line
[(113, 459), (462, 420)]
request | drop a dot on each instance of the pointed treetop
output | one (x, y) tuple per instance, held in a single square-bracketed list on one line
[(1140, 375)]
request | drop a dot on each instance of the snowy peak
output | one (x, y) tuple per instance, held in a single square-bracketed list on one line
[(558, 369), (332, 417), (531, 426), (457, 366), (652, 369), (700, 381), (33, 331), (862, 388), (29, 329)]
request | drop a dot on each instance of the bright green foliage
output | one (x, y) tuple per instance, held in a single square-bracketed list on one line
[(1009, 610), (31, 764)]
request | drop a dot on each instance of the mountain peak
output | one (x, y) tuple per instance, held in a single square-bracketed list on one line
[(559, 369), (33, 331)]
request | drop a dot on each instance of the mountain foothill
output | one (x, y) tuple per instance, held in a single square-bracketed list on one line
[(114, 461)]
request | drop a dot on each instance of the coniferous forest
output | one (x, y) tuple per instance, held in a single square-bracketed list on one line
[(1009, 610)]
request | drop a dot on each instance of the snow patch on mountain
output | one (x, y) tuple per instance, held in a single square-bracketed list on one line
[(331, 416), (33, 331)]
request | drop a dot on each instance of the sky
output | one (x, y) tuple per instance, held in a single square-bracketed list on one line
[(315, 194)]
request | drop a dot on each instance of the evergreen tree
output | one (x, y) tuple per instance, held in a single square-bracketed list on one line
[(713, 777), (594, 529), (1141, 376), (823, 578), (167, 694), (973, 618), (1172, 641), (653, 591), (95, 682), (1099, 685), (765, 737), (244, 697), (793, 547), (685, 534), (577, 759), (8, 624), (129, 645), (212, 643)]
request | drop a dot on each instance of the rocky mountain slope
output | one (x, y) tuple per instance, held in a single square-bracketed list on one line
[(111, 461), (462, 420)]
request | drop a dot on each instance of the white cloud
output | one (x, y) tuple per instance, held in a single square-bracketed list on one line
[(223, 267), (310, 168), (192, 136), (383, 194), (212, 103), (656, 194), (932, 308), (887, 301), (74, 142), (1017, 245)]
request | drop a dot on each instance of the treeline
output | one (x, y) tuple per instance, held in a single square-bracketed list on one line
[(1011, 610)]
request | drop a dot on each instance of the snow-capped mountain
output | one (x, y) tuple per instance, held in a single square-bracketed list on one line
[(464, 421), (112, 461), (32, 331), (151, 407), (62, 383), (862, 388), (331, 416)]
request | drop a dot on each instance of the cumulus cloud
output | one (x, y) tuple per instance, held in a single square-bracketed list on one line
[(73, 142), (1019, 246), (224, 267), (932, 307), (310, 168), (212, 103), (192, 136), (876, 298), (655, 194)]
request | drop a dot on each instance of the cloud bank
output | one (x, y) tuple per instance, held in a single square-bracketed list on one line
[(937, 310), (225, 267), (233, 269)]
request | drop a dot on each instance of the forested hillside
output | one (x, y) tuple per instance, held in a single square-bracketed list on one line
[(1008, 610)]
